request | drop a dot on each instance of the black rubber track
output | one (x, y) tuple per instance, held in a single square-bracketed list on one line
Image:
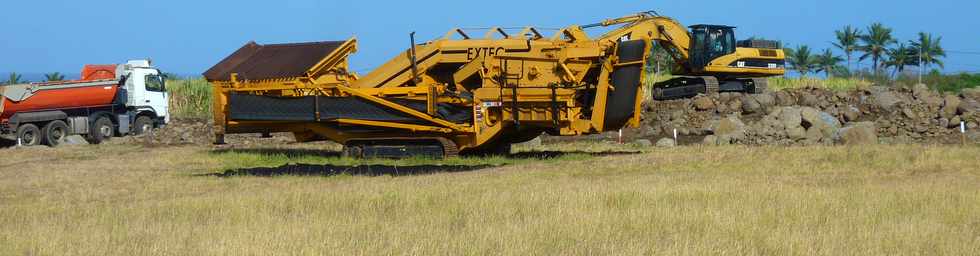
[(621, 102)]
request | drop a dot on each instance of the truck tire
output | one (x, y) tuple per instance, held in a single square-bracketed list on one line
[(29, 135), (142, 125), (54, 133), (100, 131)]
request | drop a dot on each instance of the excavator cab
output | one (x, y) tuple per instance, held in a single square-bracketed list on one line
[(713, 65), (709, 42)]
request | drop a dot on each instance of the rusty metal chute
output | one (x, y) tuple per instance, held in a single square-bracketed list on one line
[(272, 61)]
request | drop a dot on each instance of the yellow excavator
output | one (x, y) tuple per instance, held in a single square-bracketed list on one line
[(466, 94)]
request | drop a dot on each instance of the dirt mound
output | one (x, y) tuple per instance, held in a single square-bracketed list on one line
[(177, 132), (813, 116), (200, 132)]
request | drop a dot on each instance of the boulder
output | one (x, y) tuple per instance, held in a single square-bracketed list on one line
[(643, 143), (650, 131), (765, 100), (796, 133), (75, 140), (954, 122), (666, 143), (750, 104), (812, 135), (531, 143), (790, 117), (703, 103), (921, 91), (968, 105), (830, 119), (950, 105), (850, 113), (735, 105), (808, 99), (859, 133), (784, 99), (972, 93), (932, 101), (811, 116), (730, 127), (830, 125), (885, 99)]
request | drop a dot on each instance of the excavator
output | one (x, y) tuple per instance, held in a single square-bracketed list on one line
[(467, 94)]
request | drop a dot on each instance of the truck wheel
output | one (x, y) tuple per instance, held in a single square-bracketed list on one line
[(142, 125), (55, 133), (29, 134), (100, 131)]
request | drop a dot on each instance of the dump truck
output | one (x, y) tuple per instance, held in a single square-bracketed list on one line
[(108, 100), (467, 94)]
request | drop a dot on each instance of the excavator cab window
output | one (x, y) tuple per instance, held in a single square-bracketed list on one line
[(709, 42)]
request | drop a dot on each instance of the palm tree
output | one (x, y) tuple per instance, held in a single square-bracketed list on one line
[(56, 76), (876, 43), (930, 48), (826, 62), (14, 78), (800, 59), (899, 57), (847, 41)]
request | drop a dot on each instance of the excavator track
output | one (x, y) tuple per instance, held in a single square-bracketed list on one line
[(400, 147), (710, 84), (690, 86), (685, 87)]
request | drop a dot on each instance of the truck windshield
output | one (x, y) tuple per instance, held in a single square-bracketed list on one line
[(155, 83)]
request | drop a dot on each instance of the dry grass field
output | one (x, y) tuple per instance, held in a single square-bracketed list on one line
[(133, 200)]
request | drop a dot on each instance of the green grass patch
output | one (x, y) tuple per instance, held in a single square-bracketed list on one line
[(190, 98), (869, 200), (951, 83), (834, 83)]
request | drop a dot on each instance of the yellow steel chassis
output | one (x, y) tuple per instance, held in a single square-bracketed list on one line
[(544, 73)]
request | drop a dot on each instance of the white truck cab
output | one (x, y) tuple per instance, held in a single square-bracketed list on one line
[(146, 89)]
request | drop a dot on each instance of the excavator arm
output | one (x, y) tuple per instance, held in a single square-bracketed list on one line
[(698, 69), (666, 32)]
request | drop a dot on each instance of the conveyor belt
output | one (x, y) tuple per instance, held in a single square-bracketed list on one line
[(268, 108)]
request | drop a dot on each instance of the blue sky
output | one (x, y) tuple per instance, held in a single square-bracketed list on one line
[(187, 37)]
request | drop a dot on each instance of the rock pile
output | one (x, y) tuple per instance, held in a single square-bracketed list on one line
[(177, 132), (817, 116), (201, 132)]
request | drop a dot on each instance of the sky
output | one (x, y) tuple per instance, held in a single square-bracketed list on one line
[(188, 37)]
